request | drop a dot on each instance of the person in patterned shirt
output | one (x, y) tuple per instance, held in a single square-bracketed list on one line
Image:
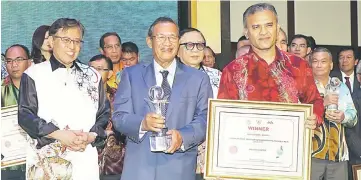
[(267, 74)]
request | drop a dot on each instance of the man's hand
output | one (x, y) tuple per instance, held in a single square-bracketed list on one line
[(153, 122), (335, 116), (176, 142), (69, 138), (330, 99), (311, 122)]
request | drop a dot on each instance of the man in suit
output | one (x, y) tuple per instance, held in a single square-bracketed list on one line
[(186, 113), (347, 60)]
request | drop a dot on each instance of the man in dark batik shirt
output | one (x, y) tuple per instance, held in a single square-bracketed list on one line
[(16, 60)]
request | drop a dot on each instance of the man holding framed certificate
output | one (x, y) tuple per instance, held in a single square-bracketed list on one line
[(267, 73)]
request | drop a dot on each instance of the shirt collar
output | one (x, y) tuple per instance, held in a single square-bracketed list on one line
[(55, 64), (279, 55), (171, 68), (351, 76)]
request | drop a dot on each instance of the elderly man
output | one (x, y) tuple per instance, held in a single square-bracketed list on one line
[(330, 153), (187, 90), (267, 74), (63, 108)]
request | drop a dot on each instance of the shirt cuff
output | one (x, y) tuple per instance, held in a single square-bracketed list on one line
[(141, 133)]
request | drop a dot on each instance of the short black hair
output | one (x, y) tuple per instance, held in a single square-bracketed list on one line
[(187, 30), (312, 42), (65, 23), (242, 38), (300, 36), (214, 54), (27, 52), (101, 56), (158, 21), (101, 41), (348, 48), (130, 47)]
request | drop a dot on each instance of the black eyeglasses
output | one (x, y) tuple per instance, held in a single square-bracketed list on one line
[(190, 45), (17, 60), (99, 69), (67, 40)]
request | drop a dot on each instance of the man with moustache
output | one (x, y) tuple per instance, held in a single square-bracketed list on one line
[(187, 89), (267, 74), (111, 47)]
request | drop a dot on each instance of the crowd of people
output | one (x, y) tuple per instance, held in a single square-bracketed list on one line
[(92, 121)]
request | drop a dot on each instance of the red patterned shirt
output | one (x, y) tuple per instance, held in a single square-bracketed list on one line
[(287, 79)]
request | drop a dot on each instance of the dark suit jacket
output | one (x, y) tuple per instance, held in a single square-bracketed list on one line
[(337, 73), (353, 135)]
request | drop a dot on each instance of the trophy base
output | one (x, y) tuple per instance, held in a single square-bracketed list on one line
[(160, 142)]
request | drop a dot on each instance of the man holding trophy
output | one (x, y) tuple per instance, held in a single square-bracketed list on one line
[(162, 108)]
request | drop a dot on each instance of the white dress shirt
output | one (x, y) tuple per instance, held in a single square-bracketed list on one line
[(159, 79), (352, 78)]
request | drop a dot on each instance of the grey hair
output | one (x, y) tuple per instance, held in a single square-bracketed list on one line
[(322, 49), (257, 8), (158, 21)]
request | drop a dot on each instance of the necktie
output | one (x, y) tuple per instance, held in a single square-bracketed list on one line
[(167, 91), (348, 84)]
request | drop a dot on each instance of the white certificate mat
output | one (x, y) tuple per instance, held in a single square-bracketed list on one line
[(258, 140), (13, 138)]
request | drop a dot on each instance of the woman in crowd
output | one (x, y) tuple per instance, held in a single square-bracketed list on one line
[(41, 50), (209, 59), (191, 52)]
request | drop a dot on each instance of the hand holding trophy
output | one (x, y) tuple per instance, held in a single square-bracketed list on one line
[(159, 141)]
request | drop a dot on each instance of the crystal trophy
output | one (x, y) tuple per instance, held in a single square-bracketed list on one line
[(159, 141), (333, 88)]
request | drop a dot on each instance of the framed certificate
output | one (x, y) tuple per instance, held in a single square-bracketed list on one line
[(356, 170), (257, 140), (13, 138)]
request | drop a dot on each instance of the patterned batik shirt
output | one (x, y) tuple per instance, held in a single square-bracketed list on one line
[(287, 79), (328, 142), (53, 97)]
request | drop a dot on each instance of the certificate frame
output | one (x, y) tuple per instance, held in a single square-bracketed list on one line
[(9, 117), (212, 159), (356, 170)]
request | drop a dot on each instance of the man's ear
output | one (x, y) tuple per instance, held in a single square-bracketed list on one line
[(149, 41), (308, 50), (356, 62), (331, 65), (110, 73), (245, 30), (101, 50), (51, 42)]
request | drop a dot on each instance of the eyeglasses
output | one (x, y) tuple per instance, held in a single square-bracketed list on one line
[(109, 46), (190, 45), (17, 60), (67, 40), (162, 38), (99, 69)]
